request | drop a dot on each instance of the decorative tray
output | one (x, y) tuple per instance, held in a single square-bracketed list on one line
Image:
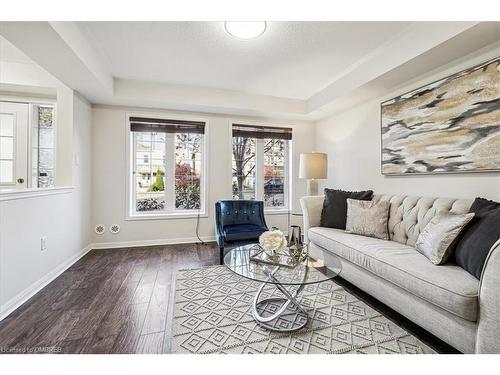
[(258, 255)]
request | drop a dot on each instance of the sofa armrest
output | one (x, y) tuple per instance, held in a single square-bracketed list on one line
[(311, 209), (488, 329)]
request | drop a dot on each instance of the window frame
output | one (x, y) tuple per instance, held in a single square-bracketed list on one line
[(32, 116), (14, 159), (33, 102), (259, 172), (286, 178), (169, 212)]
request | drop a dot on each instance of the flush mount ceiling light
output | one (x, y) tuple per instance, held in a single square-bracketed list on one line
[(245, 30)]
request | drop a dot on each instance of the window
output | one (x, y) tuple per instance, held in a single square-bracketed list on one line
[(27, 145), (260, 164), (244, 171), (7, 150), (42, 146), (167, 166)]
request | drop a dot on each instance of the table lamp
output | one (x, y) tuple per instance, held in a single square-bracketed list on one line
[(313, 166)]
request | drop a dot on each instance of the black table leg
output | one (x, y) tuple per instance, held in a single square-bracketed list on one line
[(221, 260)]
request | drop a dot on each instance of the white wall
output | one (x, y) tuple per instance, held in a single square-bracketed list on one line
[(60, 215), (63, 218), (110, 177), (82, 164), (352, 141)]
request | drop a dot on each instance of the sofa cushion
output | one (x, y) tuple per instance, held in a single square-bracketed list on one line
[(476, 241), (334, 212), (449, 286), (436, 240), (239, 232), (367, 218)]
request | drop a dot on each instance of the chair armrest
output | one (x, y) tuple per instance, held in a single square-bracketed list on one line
[(219, 236), (488, 328), (311, 210)]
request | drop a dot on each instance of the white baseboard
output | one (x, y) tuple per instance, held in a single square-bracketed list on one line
[(34, 288), (170, 241)]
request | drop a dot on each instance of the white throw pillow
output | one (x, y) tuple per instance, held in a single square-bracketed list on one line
[(436, 240)]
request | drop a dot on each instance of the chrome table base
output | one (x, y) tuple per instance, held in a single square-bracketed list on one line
[(279, 314)]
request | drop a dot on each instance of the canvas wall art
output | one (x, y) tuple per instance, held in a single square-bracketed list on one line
[(448, 126)]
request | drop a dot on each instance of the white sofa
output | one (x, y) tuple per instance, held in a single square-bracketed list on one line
[(445, 300)]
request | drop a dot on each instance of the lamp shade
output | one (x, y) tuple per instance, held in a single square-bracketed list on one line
[(313, 165)]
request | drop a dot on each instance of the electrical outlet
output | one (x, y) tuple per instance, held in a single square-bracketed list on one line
[(43, 243)]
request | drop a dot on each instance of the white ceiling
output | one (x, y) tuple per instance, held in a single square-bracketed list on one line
[(291, 60), (295, 71)]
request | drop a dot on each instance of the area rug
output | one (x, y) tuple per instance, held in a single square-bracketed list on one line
[(213, 315)]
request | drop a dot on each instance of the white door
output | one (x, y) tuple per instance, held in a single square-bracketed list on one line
[(13, 145)]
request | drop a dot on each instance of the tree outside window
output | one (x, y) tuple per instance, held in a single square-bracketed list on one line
[(187, 171), (244, 168), (259, 170)]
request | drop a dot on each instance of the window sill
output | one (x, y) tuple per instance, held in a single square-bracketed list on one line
[(280, 211), (166, 216), (12, 194)]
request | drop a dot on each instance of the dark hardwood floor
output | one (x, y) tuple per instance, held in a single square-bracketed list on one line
[(121, 301), (110, 301)]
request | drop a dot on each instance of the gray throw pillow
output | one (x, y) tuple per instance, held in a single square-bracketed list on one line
[(436, 240), (368, 218)]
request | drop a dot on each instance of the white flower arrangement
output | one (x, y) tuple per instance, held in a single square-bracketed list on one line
[(273, 241)]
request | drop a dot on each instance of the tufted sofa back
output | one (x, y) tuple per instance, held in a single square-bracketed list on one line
[(409, 215)]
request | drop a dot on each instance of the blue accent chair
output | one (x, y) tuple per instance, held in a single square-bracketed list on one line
[(238, 222)]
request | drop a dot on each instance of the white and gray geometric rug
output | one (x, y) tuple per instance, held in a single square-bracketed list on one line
[(212, 315)]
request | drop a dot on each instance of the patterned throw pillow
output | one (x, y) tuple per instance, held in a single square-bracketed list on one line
[(438, 236), (368, 218)]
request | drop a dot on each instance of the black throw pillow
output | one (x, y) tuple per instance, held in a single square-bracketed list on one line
[(334, 211), (476, 240)]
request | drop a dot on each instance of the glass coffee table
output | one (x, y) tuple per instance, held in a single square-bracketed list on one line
[(282, 312)]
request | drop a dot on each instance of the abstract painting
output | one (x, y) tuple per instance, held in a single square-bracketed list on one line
[(451, 125)]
